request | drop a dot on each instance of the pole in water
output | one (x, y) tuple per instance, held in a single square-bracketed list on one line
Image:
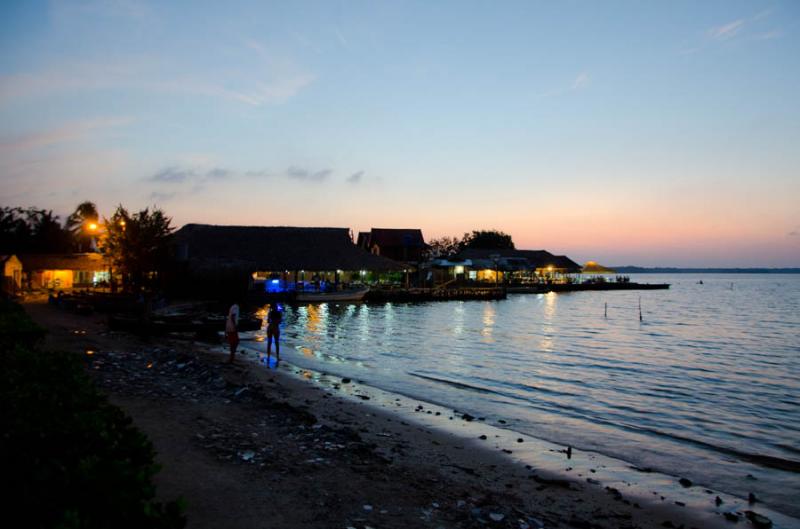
[(605, 312), (640, 308)]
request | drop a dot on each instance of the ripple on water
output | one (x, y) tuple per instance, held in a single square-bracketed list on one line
[(711, 374)]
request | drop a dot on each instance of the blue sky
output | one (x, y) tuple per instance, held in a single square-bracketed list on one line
[(626, 132)]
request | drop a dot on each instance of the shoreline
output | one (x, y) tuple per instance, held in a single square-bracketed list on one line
[(418, 473), (638, 485)]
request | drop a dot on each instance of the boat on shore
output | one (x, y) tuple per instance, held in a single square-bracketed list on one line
[(340, 295)]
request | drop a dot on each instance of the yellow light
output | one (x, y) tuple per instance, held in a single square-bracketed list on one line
[(92, 226), (122, 222), (89, 352)]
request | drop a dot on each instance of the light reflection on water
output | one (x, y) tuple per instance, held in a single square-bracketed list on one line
[(705, 386)]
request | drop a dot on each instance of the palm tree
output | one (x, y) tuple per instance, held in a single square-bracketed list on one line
[(83, 223), (47, 235)]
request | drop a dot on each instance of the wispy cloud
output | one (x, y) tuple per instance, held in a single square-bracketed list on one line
[(203, 173), (218, 173), (341, 38), (62, 12), (298, 173), (260, 173), (727, 31), (172, 175), (580, 81), (763, 14), (794, 233), (266, 79), (769, 35), (161, 197), (355, 178), (70, 132)]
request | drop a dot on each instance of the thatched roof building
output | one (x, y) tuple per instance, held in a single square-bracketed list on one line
[(399, 244), (68, 270), (510, 260), (281, 248), (90, 262)]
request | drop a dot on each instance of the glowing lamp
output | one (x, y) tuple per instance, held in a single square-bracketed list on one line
[(92, 226)]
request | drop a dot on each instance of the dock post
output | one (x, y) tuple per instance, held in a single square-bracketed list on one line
[(605, 312), (640, 308)]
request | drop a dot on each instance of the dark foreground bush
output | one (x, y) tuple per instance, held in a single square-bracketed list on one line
[(69, 458), (16, 327)]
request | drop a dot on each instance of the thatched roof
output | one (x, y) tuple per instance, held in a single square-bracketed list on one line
[(385, 237), (275, 248), (510, 259), (565, 263), (93, 262)]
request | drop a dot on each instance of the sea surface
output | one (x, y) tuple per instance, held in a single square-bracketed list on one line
[(706, 385)]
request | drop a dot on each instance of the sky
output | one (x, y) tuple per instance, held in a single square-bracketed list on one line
[(627, 132)]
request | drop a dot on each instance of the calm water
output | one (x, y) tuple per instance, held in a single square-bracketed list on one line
[(707, 386)]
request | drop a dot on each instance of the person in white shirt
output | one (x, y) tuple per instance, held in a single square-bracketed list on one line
[(231, 330)]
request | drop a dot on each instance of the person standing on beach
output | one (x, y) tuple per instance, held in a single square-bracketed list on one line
[(232, 330), (274, 318)]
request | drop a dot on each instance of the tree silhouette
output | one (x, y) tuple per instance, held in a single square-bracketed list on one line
[(79, 222), (443, 247), (487, 240), (138, 245)]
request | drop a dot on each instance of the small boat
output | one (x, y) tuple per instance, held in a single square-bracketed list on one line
[(340, 295)]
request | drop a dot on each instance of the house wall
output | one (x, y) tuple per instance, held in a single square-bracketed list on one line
[(12, 270), (59, 279), (52, 279)]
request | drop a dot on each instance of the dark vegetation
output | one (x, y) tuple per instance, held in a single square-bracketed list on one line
[(32, 230), (137, 244), (70, 459), (482, 239)]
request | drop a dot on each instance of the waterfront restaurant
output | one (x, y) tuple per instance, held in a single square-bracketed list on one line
[(279, 259), (516, 266)]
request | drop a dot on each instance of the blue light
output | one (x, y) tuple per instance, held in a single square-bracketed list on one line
[(274, 285)]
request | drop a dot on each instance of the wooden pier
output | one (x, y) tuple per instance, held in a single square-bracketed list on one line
[(436, 294), (580, 287)]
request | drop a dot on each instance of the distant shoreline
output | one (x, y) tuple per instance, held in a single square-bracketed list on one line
[(661, 270)]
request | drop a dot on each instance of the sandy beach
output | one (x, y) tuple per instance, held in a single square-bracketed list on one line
[(248, 446)]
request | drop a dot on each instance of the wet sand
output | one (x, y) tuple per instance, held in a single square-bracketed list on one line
[(248, 446)]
